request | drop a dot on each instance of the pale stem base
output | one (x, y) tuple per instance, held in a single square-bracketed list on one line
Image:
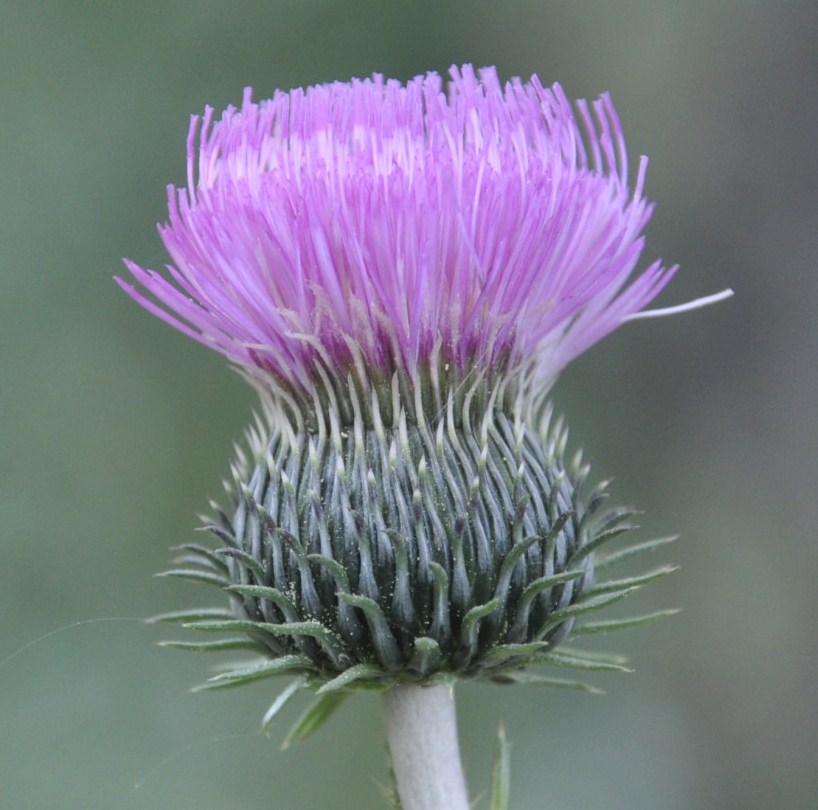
[(422, 731)]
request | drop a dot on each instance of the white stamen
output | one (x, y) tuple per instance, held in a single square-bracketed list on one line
[(698, 303)]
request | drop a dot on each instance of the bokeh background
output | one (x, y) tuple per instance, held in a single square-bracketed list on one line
[(116, 430)]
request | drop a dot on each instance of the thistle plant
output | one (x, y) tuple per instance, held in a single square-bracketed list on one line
[(402, 271)]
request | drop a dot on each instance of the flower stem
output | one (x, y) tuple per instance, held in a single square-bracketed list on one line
[(422, 731)]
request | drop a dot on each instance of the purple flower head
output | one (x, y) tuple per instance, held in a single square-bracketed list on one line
[(389, 226), (402, 270)]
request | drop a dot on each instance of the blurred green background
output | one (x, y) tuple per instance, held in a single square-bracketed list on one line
[(116, 430)]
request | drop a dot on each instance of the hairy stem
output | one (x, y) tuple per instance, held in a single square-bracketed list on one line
[(422, 731)]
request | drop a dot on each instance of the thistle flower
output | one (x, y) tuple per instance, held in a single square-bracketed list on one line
[(402, 272)]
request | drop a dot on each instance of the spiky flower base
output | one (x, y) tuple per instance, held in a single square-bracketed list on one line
[(363, 555)]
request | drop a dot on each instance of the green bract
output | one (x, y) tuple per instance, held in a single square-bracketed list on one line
[(438, 543)]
